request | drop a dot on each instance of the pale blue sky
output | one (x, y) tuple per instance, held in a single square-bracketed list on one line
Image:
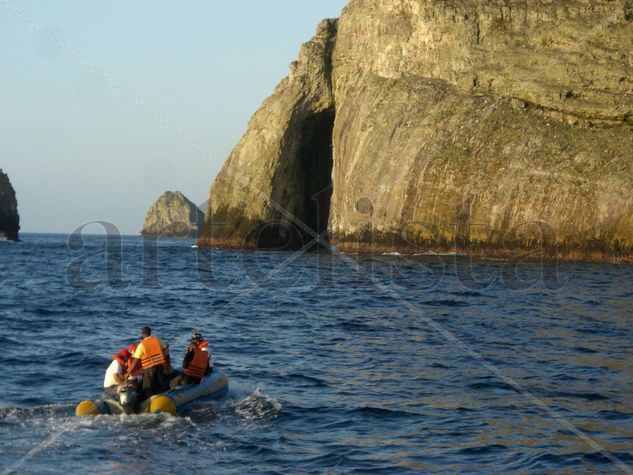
[(77, 151)]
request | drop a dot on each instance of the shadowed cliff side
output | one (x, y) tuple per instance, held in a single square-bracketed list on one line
[(9, 217), (263, 195), (497, 128)]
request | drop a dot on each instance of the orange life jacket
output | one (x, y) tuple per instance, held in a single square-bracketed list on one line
[(139, 367), (197, 367), (130, 361), (120, 360), (153, 355), (204, 344)]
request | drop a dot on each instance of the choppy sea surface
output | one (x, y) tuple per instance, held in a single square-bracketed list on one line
[(383, 364)]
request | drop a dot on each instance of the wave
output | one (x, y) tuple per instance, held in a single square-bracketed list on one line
[(469, 293), (584, 349), (491, 385), (550, 460), (58, 415), (46, 311), (310, 381), (483, 449), (258, 406), (382, 412), (27, 413), (6, 341), (446, 303), (579, 395), (615, 415)]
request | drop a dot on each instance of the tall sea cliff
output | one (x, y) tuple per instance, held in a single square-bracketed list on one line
[(496, 127)]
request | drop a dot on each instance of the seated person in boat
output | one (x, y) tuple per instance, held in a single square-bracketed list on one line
[(197, 362), (115, 374), (198, 341)]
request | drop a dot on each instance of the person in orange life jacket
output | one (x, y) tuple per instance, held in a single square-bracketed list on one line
[(152, 353), (196, 363), (115, 374), (202, 344)]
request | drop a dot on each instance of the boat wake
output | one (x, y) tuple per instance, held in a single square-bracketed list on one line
[(246, 403), (61, 416), (242, 401), (22, 416), (53, 429)]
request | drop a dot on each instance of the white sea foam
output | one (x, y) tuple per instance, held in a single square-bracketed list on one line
[(257, 406)]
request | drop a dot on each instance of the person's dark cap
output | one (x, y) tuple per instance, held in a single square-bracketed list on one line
[(146, 331)]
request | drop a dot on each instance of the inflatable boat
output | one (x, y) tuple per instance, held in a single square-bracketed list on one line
[(213, 386)]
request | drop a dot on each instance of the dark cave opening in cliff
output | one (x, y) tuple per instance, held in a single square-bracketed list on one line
[(317, 158), (313, 187)]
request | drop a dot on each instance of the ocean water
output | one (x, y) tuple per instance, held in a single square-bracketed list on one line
[(383, 364)]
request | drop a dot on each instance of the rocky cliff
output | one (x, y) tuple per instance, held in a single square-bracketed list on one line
[(497, 126), (173, 215), (9, 217)]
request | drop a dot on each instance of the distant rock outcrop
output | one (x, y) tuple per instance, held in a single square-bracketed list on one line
[(9, 217), (497, 127), (173, 215)]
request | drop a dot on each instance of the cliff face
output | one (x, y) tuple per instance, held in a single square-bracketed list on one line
[(9, 217), (424, 124), (173, 215)]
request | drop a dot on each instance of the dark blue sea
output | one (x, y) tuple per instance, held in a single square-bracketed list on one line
[(337, 364)]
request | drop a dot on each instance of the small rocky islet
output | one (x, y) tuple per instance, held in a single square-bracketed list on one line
[(9, 217), (173, 215), (409, 125)]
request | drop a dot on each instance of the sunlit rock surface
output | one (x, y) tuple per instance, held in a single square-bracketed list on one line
[(496, 127), (173, 215)]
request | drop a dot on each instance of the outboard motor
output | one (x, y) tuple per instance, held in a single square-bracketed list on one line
[(128, 399)]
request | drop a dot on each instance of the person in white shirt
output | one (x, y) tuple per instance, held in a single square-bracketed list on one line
[(115, 374)]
